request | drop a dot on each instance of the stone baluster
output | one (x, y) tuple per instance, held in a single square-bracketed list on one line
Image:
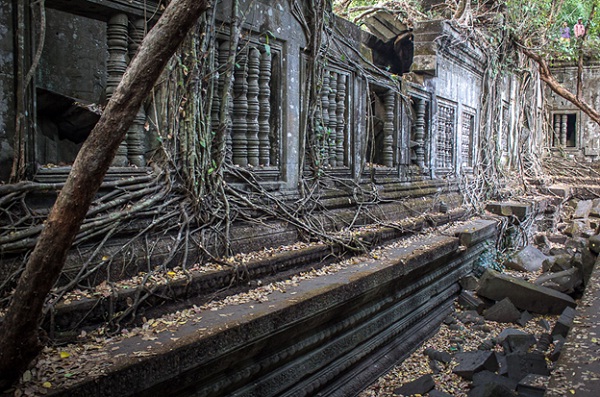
[(240, 111), (253, 107), (556, 137), (324, 117), (116, 35), (340, 113), (563, 131), (136, 138), (223, 57), (388, 129), (420, 132), (264, 100), (331, 141), (215, 109)]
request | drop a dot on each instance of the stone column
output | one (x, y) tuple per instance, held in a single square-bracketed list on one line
[(253, 107), (420, 132), (116, 35), (264, 115), (388, 129), (340, 111), (331, 136), (240, 111), (136, 137)]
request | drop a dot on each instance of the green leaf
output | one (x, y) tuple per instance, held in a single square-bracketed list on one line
[(268, 49)]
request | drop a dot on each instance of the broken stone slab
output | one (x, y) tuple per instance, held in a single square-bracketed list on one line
[(485, 377), (418, 386), (560, 190), (576, 227), (529, 259), (491, 390), (533, 385), (582, 211), (524, 295), (565, 281), (518, 343), (502, 367), (503, 312), (470, 363), (559, 342), (525, 318), (520, 364), (506, 333), (557, 238), (437, 355), (564, 323), (470, 317), (519, 210), (475, 231), (469, 301), (543, 343), (578, 243), (557, 263)]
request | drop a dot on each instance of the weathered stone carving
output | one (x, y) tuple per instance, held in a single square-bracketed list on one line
[(341, 122), (332, 130), (240, 111), (389, 101), (264, 100), (419, 132), (136, 140), (253, 107)]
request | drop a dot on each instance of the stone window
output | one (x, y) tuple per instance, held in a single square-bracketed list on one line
[(467, 138), (382, 125), (564, 130), (445, 137), (254, 135)]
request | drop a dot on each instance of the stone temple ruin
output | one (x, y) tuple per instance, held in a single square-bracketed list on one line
[(368, 149)]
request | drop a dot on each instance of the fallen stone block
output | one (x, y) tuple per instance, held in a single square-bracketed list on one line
[(502, 366), (576, 227), (469, 301), (543, 343), (519, 210), (438, 355), (518, 343), (470, 317), (491, 390), (583, 209), (475, 231), (506, 333), (519, 365), (525, 318), (562, 191), (469, 283), (524, 295), (533, 385), (503, 312), (595, 211), (564, 323), (578, 243), (565, 281), (485, 377), (559, 342), (557, 263), (529, 259), (418, 386), (594, 244), (470, 363), (557, 238)]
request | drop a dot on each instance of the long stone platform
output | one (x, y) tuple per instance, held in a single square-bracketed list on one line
[(329, 335)]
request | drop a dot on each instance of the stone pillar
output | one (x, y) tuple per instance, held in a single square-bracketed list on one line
[(389, 99), (563, 131), (324, 118), (240, 111), (420, 132), (340, 111), (253, 107), (556, 139), (264, 115), (331, 137), (136, 137), (222, 59), (116, 35)]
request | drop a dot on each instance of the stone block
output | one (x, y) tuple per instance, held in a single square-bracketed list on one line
[(525, 318), (562, 191), (582, 211), (564, 323), (524, 295), (470, 317), (503, 312), (557, 238), (519, 210), (595, 211), (518, 343), (506, 333), (486, 377), (475, 231), (557, 263), (529, 259), (469, 301), (594, 244), (437, 355), (470, 282), (559, 342), (565, 281), (470, 363), (533, 385), (502, 366), (421, 386), (519, 365), (491, 390)]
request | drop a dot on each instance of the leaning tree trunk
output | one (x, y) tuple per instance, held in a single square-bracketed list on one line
[(19, 338)]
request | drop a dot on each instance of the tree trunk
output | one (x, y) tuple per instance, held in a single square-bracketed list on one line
[(19, 332), (559, 89)]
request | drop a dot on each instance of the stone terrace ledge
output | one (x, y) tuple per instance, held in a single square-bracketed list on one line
[(324, 334), (577, 372)]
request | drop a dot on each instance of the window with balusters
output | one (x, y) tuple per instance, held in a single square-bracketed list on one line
[(444, 143)]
